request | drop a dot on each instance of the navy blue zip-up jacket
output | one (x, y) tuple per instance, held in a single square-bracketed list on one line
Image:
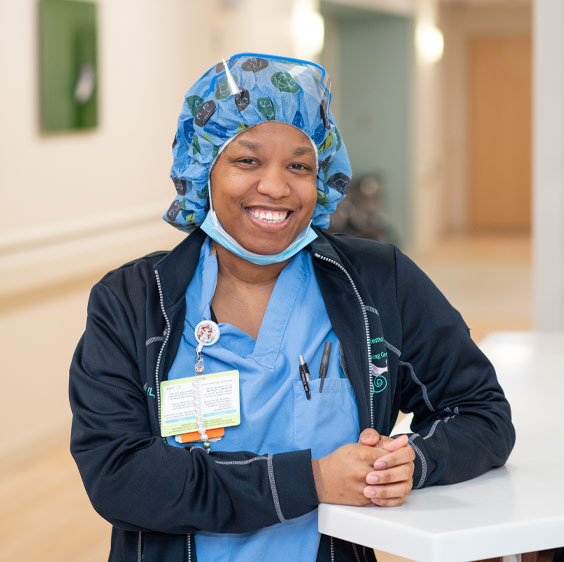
[(380, 305)]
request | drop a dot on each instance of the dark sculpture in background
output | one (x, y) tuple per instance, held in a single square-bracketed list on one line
[(362, 212)]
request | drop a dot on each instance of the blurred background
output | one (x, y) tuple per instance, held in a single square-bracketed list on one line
[(452, 115)]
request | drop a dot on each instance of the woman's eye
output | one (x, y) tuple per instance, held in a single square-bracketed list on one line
[(299, 167), (247, 161)]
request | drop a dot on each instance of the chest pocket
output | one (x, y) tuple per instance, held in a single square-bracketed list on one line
[(326, 421)]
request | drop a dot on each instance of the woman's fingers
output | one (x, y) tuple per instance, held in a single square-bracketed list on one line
[(389, 494), (392, 478), (369, 437), (340, 477), (378, 469), (390, 444), (400, 473), (404, 455), (372, 438)]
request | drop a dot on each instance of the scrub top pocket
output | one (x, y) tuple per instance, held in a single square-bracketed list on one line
[(326, 421)]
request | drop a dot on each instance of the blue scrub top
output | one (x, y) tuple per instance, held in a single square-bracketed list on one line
[(275, 414)]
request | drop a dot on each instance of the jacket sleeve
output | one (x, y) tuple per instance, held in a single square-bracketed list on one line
[(462, 421), (137, 481)]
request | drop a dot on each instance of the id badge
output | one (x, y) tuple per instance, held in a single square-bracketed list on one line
[(215, 395)]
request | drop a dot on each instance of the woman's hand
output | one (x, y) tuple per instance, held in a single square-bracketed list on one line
[(391, 480), (340, 477), (376, 470)]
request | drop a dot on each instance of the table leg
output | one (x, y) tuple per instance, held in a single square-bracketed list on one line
[(552, 555)]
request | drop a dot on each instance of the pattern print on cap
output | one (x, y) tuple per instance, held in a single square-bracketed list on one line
[(269, 88)]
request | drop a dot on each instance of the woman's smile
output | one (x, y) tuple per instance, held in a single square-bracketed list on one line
[(268, 216)]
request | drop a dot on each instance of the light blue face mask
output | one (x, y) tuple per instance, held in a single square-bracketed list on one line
[(213, 228)]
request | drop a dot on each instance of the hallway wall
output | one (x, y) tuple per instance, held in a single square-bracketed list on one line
[(74, 205)]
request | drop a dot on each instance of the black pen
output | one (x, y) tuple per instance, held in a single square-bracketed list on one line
[(324, 364), (304, 375)]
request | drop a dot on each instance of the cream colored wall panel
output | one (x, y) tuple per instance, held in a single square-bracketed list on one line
[(72, 252), (73, 206), (548, 166)]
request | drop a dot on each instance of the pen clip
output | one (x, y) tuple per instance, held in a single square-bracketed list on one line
[(304, 375)]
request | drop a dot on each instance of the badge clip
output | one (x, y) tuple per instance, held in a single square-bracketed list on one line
[(207, 333)]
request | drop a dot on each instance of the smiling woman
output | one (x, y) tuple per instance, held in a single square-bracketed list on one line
[(199, 429), (263, 192)]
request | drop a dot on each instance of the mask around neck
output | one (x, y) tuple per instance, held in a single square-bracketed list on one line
[(214, 229)]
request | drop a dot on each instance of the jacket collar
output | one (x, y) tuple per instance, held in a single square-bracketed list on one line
[(177, 268), (321, 245), (174, 279)]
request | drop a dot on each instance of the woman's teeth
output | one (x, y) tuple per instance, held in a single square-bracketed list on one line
[(268, 216)]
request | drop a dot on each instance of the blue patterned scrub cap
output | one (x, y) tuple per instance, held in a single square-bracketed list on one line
[(232, 96)]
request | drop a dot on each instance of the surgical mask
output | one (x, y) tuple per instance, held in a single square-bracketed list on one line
[(213, 228)]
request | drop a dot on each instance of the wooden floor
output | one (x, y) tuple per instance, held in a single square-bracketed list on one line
[(45, 515)]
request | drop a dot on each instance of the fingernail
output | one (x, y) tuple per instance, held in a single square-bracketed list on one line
[(370, 492), (379, 465), (372, 478)]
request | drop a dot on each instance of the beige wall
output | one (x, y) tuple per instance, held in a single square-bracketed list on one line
[(548, 166), (75, 205)]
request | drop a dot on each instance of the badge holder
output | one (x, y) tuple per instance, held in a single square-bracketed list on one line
[(207, 333), (187, 401)]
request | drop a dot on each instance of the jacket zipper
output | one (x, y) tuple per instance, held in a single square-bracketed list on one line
[(189, 547), (159, 358), (140, 547), (366, 326), (157, 386), (167, 335)]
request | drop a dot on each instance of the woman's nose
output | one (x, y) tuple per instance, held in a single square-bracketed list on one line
[(273, 184)]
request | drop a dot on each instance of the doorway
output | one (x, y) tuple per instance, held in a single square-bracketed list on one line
[(499, 126)]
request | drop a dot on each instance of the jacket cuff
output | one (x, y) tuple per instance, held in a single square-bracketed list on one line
[(295, 486), (421, 471)]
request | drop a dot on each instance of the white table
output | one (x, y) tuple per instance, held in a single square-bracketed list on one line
[(514, 509)]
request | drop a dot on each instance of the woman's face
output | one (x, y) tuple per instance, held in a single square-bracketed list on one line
[(264, 186)]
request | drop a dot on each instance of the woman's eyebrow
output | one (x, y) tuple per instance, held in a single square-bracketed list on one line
[(301, 150), (250, 145)]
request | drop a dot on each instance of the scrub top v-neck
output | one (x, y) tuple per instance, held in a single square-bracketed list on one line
[(275, 414)]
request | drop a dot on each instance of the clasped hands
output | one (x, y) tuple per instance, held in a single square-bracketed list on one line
[(376, 470)]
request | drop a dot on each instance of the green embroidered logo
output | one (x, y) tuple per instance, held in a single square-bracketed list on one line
[(379, 381)]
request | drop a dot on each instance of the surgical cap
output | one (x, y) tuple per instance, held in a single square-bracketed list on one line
[(242, 92)]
